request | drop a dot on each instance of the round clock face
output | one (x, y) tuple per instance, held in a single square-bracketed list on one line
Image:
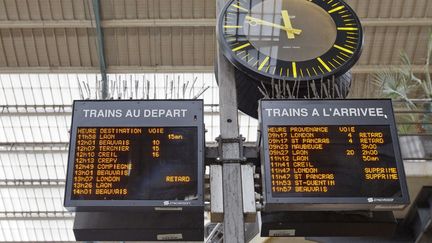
[(290, 39)]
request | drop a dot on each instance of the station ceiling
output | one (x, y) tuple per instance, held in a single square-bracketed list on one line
[(46, 36)]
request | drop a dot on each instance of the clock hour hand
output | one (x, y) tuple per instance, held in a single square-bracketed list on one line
[(254, 21), (287, 23)]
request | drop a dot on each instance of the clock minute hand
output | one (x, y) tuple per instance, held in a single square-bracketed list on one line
[(266, 23)]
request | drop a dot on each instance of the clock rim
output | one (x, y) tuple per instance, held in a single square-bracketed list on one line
[(267, 77)]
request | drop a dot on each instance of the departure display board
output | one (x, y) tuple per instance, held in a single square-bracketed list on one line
[(326, 155), (135, 163), (135, 153)]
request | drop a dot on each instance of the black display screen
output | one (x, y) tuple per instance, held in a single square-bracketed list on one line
[(135, 163), (333, 161)]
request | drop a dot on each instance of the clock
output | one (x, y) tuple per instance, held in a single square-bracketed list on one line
[(291, 40)]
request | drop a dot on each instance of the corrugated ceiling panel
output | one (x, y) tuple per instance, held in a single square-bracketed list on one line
[(384, 44), (45, 10), (421, 45), (111, 50), (155, 41), (20, 50), (376, 47), (62, 47), (133, 46), (361, 87), (388, 42), (35, 13), (187, 8), (84, 47), (67, 9), (48, 47), (3, 11), (177, 38), (166, 46), (187, 46), (51, 43), (80, 11), (198, 46), (428, 9), (157, 46), (121, 38), (142, 9), (138, 9), (8, 45), (56, 9), (144, 46), (199, 9), (11, 9), (73, 47), (392, 8), (3, 61), (23, 9), (30, 47), (159, 9), (210, 46), (60, 10), (166, 9), (41, 47)]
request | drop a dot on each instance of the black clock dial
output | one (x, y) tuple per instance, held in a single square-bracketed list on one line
[(290, 39)]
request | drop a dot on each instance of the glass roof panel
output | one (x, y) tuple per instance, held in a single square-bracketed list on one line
[(35, 117)]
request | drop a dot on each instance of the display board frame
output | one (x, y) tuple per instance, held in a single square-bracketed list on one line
[(304, 203), (192, 115)]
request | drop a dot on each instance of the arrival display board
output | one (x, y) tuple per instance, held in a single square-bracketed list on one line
[(135, 154), (331, 155)]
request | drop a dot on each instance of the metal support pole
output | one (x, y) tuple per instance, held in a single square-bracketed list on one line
[(231, 172), (101, 52)]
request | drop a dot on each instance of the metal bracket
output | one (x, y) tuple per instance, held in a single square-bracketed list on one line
[(238, 140)]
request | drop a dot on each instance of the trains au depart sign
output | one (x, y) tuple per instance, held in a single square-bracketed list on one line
[(135, 153), (331, 155)]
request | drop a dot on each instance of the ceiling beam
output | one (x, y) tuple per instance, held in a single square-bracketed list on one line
[(396, 22), (110, 69), (43, 183), (40, 24), (122, 23), (359, 69), (367, 69), (37, 215), (132, 23)]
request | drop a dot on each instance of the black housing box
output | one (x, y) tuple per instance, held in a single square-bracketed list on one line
[(328, 224), (135, 226)]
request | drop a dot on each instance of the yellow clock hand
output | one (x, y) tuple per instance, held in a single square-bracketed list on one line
[(287, 23), (266, 23)]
